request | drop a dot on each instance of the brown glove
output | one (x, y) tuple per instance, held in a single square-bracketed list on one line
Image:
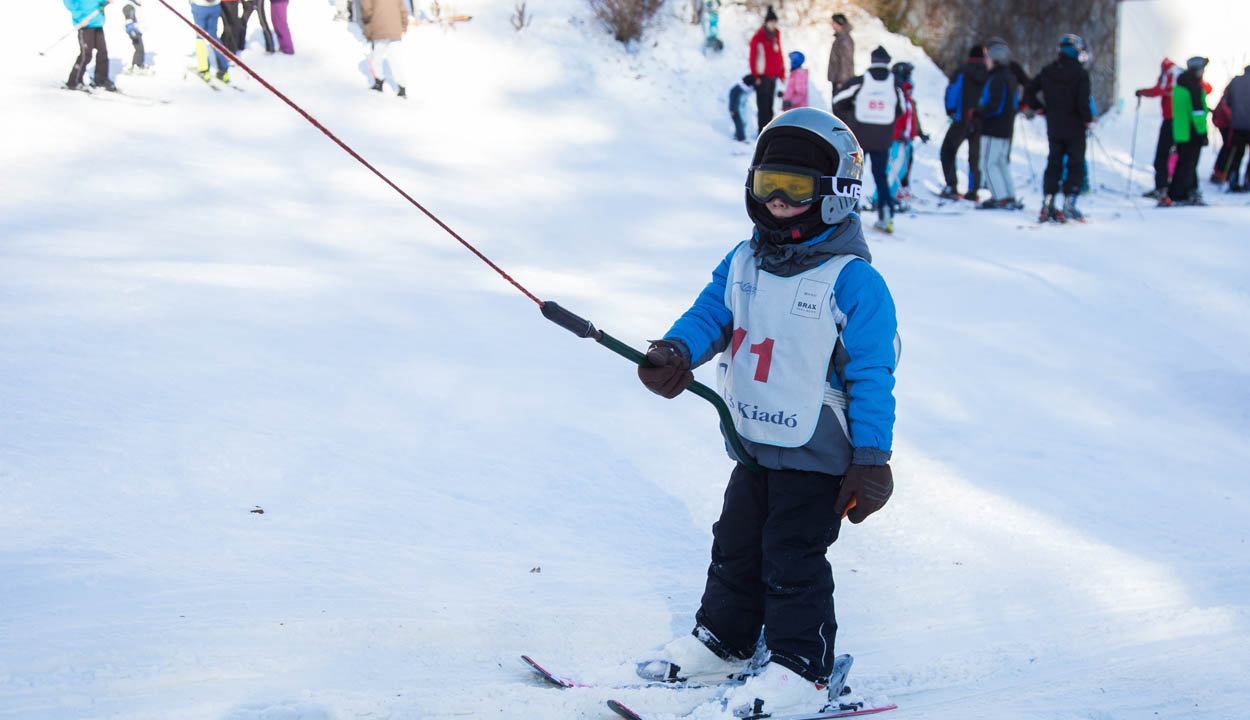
[(866, 488), (669, 373)]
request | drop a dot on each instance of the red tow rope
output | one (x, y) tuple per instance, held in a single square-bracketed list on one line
[(347, 148)]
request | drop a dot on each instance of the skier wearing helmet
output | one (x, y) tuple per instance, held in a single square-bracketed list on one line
[(1061, 92), (805, 331)]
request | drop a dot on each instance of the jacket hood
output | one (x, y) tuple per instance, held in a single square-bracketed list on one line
[(845, 238)]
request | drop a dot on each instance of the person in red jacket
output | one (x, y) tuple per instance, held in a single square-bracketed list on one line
[(1168, 72), (768, 66)]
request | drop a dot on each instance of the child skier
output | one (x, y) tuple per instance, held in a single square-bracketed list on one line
[(88, 17), (795, 95), (806, 330), (871, 103), (738, 103), (137, 65)]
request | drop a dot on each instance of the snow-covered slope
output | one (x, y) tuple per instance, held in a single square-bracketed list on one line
[(206, 309)]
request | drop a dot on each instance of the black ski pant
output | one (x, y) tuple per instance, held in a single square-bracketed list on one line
[(765, 89), (880, 160), (1073, 149), (136, 39), (232, 26), (1163, 151), (1237, 142), (90, 39), (955, 136), (1185, 179), (769, 570), (257, 6)]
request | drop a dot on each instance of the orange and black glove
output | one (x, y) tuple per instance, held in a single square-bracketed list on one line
[(865, 490)]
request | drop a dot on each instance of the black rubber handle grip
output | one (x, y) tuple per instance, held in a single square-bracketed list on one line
[(579, 326)]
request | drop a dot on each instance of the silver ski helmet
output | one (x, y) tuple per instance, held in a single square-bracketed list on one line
[(815, 140)]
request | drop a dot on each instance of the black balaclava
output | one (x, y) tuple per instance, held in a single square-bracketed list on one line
[(795, 148)]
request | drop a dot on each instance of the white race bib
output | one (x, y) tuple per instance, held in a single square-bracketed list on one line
[(877, 101), (774, 374)]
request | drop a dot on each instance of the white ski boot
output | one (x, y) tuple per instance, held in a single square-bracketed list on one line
[(688, 659), (777, 690)]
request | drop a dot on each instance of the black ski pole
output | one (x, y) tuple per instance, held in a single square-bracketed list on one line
[(583, 328)]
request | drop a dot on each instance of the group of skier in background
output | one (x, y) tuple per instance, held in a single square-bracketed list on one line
[(982, 99), (382, 22), (88, 19)]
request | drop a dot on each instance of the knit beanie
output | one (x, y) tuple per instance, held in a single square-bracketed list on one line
[(770, 15), (976, 51), (880, 56)]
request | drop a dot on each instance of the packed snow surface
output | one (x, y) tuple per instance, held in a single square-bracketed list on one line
[(207, 310)]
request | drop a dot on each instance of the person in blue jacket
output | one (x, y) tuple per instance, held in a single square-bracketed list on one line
[(88, 17), (803, 332)]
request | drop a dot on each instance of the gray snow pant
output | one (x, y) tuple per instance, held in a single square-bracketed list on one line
[(996, 166)]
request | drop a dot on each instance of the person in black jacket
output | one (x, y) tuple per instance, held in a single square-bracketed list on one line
[(961, 99), (996, 114), (1061, 92), (870, 104)]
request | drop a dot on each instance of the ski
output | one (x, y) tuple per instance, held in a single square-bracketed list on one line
[(557, 680), (842, 711), (210, 80), (563, 681), (117, 96)]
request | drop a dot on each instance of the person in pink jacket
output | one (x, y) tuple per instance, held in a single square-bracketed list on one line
[(795, 94)]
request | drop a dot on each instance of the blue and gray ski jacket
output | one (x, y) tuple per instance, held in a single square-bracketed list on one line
[(862, 364), (80, 9)]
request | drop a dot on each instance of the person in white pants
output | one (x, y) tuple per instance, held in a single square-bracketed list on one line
[(996, 114), (385, 22), (391, 51)]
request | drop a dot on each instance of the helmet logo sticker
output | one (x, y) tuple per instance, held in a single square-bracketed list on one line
[(847, 188)]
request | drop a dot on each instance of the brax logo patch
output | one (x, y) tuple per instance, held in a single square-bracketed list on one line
[(810, 299)]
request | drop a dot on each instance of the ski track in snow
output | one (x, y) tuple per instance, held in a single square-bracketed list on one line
[(206, 308)]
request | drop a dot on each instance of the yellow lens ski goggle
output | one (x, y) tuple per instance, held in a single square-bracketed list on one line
[(795, 185)]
